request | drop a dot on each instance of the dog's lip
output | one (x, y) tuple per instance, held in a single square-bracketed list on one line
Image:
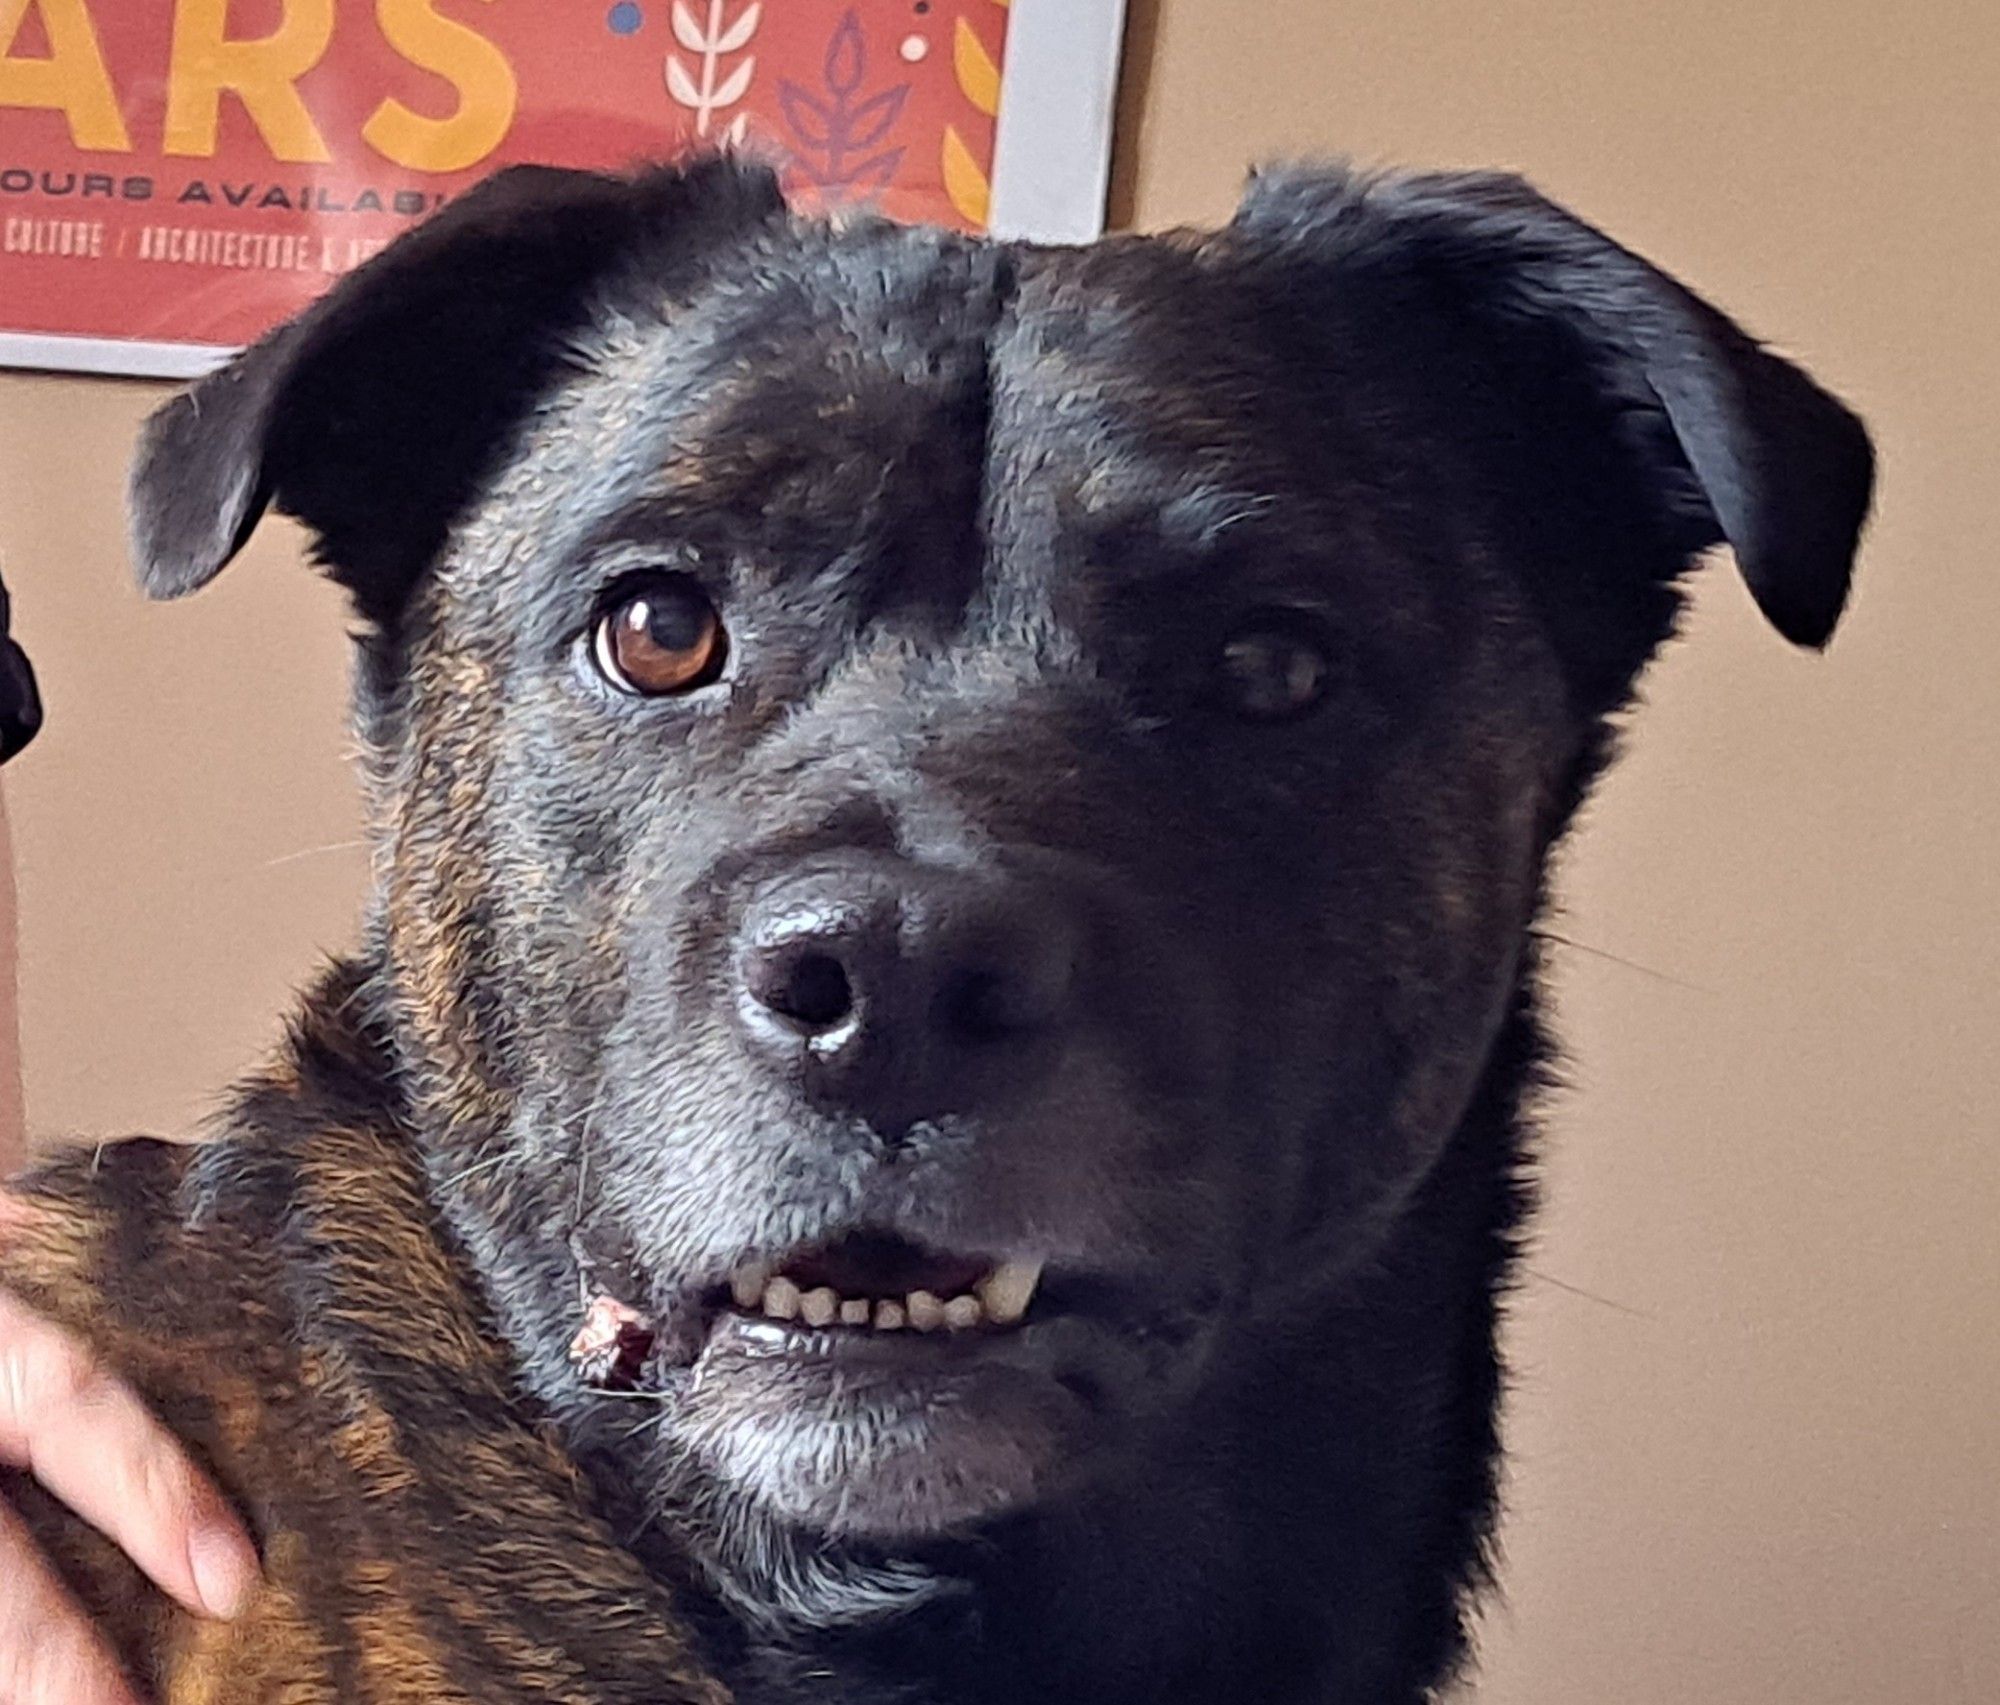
[(750, 1338)]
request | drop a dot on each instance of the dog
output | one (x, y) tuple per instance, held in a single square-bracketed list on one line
[(936, 1100)]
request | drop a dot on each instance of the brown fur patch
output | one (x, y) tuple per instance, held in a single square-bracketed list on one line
[(285, 1302)]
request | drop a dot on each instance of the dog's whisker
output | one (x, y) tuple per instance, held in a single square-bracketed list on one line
[(1554, 939), (1565, 1286), (653, 1397), (313, 852), (479, 1168)]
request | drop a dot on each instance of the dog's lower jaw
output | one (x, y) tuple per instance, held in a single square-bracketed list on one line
[(1308, 1532)]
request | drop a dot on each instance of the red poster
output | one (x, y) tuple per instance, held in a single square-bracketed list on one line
[(190, 172)]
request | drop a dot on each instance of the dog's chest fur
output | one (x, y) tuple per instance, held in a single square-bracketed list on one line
[(288, 1301)]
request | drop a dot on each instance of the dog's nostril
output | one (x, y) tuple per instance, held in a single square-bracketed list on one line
[(813, 991)]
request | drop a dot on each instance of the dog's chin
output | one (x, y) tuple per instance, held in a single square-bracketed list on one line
[(924, 1444)]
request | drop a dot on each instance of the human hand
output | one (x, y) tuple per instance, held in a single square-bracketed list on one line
[(90, 1441)]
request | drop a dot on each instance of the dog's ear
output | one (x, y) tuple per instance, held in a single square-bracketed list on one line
[(1727, 441), (373, 416)]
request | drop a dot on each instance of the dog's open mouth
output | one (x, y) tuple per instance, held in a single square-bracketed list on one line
[(875, 1283), (864, 1286)]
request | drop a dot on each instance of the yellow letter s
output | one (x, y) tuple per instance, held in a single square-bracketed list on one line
[(487, 92)]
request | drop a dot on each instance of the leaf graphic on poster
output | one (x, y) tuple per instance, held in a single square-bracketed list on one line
[(805, 113), (846, 56), (737, 36), (844, 134), (875, 117), (874, 176), (713, 88), (978, 74), (680, 85), (964, 182), (734, 85), (686, 31), (716, 39)]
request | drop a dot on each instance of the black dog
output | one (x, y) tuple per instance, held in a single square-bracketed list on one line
[(959, 826)]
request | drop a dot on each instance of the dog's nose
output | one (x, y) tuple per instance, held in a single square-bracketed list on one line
[(901, 993)]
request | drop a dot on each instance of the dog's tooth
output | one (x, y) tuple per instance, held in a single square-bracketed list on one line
[(963, 1312), (855, 1311), (747, 1284), (820, 1306), (781, 1300), (926, 1312), (890, 1317), (1008, 1289)]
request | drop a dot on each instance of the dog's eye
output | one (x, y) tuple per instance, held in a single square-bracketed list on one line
[(1277, 665), (660, 636)]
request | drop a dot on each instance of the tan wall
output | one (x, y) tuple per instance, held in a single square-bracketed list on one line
[(1766, 1467), (1757, 1435), (170, 822)]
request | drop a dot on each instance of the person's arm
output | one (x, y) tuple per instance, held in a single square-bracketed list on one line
[(64, 1420)]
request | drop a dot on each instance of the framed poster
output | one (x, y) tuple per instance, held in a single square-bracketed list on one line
[(177, 176)]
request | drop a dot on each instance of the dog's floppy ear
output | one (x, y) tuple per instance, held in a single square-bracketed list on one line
[(1755, 453), (372, 416)]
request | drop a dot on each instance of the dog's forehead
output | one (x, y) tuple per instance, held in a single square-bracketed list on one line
[(826, 389), (819, 354), (852, 343)]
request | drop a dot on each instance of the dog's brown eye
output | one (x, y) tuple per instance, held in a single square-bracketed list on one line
[(662, 636), (1277, 666)]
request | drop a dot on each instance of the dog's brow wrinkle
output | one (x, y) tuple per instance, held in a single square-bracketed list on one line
[(1205, 514)]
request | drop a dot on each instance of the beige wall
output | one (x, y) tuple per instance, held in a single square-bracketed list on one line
[(1766, 1467), (1757, 1432), (171, 823)]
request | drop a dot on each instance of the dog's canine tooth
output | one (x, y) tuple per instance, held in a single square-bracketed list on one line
[(781, 1300), (926, 1312), (963, 1312), (855, 1311), (819, 1306), (747, 1284), (890, 1317), (1008, 1289)]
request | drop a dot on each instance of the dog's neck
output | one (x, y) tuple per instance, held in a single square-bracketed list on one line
[(1309, 1531)]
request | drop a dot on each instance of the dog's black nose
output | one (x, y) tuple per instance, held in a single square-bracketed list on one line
[(902, 993)]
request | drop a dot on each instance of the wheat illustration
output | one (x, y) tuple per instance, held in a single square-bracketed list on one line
[(707, 89), (843, 135)]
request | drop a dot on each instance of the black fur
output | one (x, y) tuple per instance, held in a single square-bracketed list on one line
[(982, 520), (20, 700)]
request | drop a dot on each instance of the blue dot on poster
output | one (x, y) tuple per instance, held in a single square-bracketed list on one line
[(626, 18)]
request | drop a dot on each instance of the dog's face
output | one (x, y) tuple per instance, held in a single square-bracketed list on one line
[(957, 822)]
